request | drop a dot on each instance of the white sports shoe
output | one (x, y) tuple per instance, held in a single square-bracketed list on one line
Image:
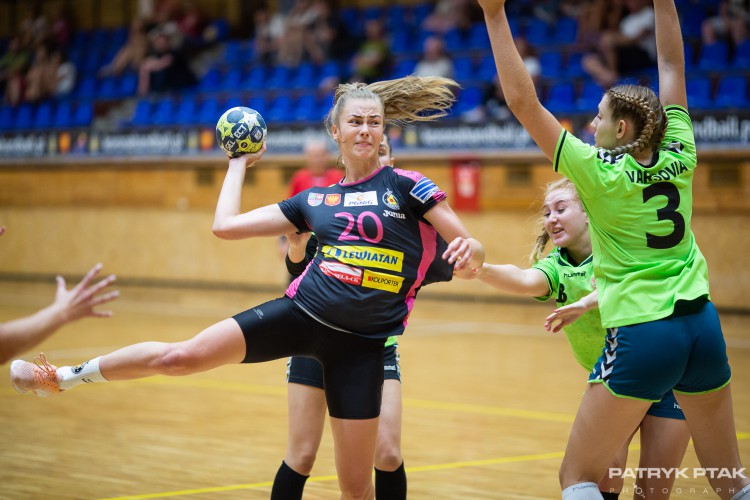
[(39, 377)]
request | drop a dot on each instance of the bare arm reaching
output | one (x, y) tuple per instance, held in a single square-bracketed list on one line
[(670, 55), (21, 334), (517, 85)]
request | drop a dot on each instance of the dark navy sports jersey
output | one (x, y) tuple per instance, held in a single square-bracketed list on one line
[(374, 250)]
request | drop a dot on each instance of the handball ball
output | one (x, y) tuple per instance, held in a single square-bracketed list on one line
[(240, 130)]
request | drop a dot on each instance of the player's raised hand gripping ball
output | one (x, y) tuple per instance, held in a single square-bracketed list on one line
[(240, 130)]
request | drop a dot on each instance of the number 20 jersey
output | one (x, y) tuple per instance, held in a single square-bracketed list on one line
[(374, 250), (645, 254)]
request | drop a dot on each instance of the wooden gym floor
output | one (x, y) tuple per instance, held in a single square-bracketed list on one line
[(489, 398)]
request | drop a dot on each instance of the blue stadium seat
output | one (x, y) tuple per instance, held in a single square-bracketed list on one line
[(699, 92), (280, 110), (6, 117), (84, 114), (86, 88), (591, 95), (561, 98), (108, 88), (552, 64), (574, 66), (232, 102), (43, 115), (479, 39), (232, 52), (401, 42), (537, 32), (403, 68), (141, 114), (565, 31), (742, 56), (280, 77), (208, 112), (23, 116), (186, 112), (63, 117), (714, 57), (731, 92), (487, 70), (463, 69), (396, 18), (306, 108), (258, 103), (468, 99), (164, 112), (256, 78), (690, 62), (211, 81), (454, 41), (232, 80), (127, 85), (305, 77)]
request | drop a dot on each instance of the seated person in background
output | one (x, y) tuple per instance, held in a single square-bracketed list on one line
[(627, 51), (434, 62), (164, 69)]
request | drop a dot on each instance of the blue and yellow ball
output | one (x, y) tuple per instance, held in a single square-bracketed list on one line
[(240, 130)]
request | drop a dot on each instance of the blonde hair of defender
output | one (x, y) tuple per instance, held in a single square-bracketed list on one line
[(542, 237)]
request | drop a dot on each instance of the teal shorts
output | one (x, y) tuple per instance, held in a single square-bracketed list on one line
[(684, 352)]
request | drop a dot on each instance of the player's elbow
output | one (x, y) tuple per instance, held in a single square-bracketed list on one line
[(224, 231)]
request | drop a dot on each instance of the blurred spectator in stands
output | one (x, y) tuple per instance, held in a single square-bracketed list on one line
[(326, 37), (627, 51), (434, 61), (530, 59), (39, 75), (729, 24), (12, 68), (299, 25), (373, 58), (35, 24), (269, 29), (61, 26), (64, 79), (191, 22), (447, 15), (131, 55), (164, 69)]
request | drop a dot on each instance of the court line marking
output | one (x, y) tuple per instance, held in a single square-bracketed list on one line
[(409, 470)]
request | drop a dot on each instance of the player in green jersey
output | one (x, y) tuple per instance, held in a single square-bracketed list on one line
[(651, 279), (566, 274)]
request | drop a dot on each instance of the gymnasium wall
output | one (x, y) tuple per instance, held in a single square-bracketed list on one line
[(151, 222)]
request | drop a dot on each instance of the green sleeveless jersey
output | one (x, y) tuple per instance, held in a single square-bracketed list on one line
[(569, 283), (645, 254)]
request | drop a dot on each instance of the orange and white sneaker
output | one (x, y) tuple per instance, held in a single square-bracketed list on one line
[(39, 377)]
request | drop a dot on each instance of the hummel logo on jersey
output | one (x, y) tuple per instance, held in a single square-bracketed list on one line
[(78, 369)]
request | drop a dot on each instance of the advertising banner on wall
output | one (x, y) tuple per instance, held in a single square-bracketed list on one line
[(726, 130)]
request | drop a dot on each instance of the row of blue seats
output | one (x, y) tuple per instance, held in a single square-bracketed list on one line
[(46, 115)]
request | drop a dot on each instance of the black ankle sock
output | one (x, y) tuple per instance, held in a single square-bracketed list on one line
[(390, 485), (288, 484), (610, 496)]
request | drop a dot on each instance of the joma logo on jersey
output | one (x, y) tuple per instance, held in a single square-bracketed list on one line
[(381, 258), (381, 281), (360, 199)]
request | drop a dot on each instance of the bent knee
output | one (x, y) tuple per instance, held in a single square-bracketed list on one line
[(388, 458)]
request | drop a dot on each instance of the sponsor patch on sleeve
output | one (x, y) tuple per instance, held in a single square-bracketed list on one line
[(424, 189)]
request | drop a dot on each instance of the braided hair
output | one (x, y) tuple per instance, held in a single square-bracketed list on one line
[(642, 106)]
